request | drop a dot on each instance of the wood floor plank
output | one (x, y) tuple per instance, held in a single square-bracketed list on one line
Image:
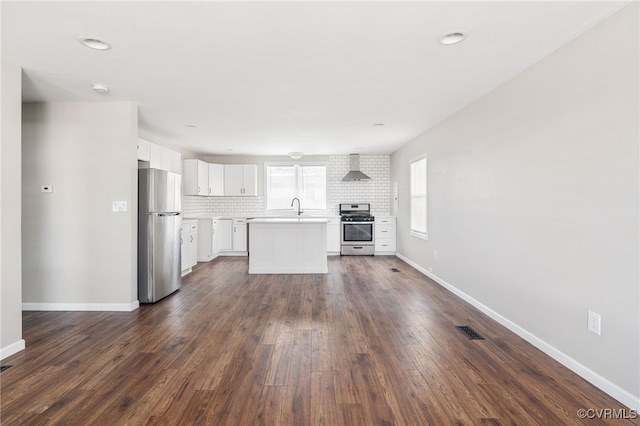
[(324, 410), (361, 345)]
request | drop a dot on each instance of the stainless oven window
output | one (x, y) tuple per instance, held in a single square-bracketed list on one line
[(357, 232)]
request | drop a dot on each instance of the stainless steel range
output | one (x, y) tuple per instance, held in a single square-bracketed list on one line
[(356, 230)]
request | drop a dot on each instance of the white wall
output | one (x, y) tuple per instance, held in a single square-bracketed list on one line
[(10, 211), (533, 198), (78, 254), (375, 191)]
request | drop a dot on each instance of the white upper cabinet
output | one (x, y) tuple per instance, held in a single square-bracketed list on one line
[(143, 150), (216, 179), (155, 156), (240, 179), (171, 161), (160, 157), (195, 177)]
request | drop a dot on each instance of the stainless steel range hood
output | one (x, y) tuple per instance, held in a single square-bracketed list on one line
[(354, 170)]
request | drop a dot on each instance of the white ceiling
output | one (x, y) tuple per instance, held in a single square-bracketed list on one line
[(267, 78)]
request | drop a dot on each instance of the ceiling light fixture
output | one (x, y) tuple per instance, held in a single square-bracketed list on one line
[(94, 43), (190, 126), (378, 124), (100, 88), (452, 38), (296, 155)]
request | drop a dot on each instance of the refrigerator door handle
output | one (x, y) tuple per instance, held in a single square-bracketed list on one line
[(167, 214)]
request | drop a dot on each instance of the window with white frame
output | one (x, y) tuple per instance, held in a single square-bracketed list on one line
[(286, 181), (418, 195)]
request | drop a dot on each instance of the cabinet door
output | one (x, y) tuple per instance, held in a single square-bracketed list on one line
[(249, 179), (143, 150), (225, 234), (195, 178), (192, 249), (204, 251), (155, 156), (240, 237), (166, 162), (183, 251), (203, 178), (214, 239), (216, 179), (176, 162), (232, 179)]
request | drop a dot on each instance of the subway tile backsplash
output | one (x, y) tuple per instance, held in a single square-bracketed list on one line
[(377, 191)]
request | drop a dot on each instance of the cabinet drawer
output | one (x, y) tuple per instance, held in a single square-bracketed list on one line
[(189, 227), (385, 230), (390, 220), (385, 244)]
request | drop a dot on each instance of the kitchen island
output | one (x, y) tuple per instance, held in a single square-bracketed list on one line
[(288, 245)]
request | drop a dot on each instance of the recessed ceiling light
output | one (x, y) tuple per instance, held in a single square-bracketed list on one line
[(94, 43), (100, 88), (378, 124), (229, 150), (189, 126), (452, 38)]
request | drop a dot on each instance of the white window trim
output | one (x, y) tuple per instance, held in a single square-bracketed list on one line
[(413, 232), (296, 163)]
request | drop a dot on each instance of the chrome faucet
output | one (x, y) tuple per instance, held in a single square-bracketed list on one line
[(299, 211)]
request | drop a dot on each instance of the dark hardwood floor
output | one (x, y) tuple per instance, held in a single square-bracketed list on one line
[(362, 345)]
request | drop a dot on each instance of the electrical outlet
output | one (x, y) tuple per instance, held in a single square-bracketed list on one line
[(594, 323)]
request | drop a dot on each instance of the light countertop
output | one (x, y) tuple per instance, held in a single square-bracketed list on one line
[(294, 220)]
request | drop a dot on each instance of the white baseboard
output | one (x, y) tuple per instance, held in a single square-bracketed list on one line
[(233, 253), (592, 377), (106, 307), (13, 348)]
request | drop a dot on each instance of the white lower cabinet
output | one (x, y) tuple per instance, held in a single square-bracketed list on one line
[(225, 234), (240, 235), (189, 253), (385, 230), (232, 236), (207, 247)]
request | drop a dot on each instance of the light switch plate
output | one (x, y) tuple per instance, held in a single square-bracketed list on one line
[(119, 206), (594, 323)]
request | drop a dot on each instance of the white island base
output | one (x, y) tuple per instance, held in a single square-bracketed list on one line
[(287, 246)]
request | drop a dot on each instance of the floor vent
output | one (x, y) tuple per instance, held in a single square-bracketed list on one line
[(469, 332), (395, 270), (3, 367)]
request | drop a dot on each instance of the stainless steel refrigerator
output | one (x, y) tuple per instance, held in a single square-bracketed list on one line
[(159, 221)]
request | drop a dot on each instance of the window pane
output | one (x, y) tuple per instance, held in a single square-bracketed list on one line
[(281, 187), (286, 181), (419, 196), (312, 185)]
